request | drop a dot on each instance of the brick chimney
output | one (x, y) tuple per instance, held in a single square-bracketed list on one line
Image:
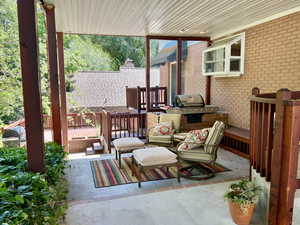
[(128, 64)]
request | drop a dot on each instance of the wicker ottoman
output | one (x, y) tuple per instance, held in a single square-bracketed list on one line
[(149, 158), (126, 145)]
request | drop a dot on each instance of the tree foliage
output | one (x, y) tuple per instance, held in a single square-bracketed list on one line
[(82, 52)]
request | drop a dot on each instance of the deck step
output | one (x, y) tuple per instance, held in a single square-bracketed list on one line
[(90, 151), (97, 146)]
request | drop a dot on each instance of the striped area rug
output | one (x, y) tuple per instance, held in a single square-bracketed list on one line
[(107, 173)]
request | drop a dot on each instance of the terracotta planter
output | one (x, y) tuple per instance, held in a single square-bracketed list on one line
[(241, 215)]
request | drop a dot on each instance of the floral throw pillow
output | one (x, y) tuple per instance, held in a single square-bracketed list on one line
[(164, 128), (194, 139)]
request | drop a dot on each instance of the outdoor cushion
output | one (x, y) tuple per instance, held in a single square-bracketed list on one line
[(197, 154), (128, 143), (163, 128), (194, 139), (154, 156), (175, 119), (161, 139), (180, 136)]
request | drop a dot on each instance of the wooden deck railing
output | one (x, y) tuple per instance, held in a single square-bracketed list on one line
[(77, 120), (117, 125), (274, 144), (136, 98)]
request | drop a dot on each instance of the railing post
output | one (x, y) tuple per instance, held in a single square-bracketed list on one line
[(165, 96), (29, 55), (156, 96), (255, 92), (277, 177), (126, 90), (138, 99)]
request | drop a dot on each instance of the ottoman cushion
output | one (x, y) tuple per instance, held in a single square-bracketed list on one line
[(154, 156), (128, 143)]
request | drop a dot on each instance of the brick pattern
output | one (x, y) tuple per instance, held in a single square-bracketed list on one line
[(272, 61), (191, 76), (192, 80)]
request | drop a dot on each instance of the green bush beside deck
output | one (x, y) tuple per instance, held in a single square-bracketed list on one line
[(30, 198)]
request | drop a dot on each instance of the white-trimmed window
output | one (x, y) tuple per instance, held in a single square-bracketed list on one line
[(225, 57)]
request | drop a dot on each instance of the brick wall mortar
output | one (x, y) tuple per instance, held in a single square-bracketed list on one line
[(272, 61)]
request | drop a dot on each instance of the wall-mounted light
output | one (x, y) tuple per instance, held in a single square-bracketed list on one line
[(183, 30)]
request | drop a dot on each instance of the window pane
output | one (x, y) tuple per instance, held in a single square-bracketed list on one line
[(235, 65), (216, 55), (236, 49)]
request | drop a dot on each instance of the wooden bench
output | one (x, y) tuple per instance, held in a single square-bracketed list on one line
[(237, 141)]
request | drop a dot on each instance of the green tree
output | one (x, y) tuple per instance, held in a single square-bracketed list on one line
[(82, 52)]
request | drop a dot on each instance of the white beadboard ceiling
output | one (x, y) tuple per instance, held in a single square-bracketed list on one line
[(166, 17)]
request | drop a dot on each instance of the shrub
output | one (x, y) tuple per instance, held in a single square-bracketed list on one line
[(30, 198)]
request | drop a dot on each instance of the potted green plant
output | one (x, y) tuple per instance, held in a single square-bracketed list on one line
[(242, 197)]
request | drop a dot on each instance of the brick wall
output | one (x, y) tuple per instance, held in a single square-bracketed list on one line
[(192, 80), (164, 75), (272, 61)]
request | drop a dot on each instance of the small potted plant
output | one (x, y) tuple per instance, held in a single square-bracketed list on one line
[(242, 197)]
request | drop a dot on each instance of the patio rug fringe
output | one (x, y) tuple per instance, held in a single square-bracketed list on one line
[(107, 173)]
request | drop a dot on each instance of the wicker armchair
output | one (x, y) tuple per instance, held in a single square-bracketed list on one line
[(205, 154)]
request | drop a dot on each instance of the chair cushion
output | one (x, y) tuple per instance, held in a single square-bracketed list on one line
[(215, 136), (163, 128), (174, 118), (154, 156), (194, 139), (128, 143), (200, 155), (180, 136), (161, 139)]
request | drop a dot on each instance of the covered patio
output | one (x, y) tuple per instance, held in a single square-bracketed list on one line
[(206, 21)]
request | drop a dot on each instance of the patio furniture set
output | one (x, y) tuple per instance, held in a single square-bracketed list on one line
[(196, 147)]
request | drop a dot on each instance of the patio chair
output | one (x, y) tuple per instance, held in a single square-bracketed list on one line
[(203, 157), (166, 139)]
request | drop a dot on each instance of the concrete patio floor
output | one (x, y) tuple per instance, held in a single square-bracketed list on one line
[(201, 205), (163, 202), (82, 185)]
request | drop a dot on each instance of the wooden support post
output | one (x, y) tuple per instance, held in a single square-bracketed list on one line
[(31, 84), (63, 99), (53, 74), (148, 60), (277, 158), (208, 84), (178, 66), (207, 90)]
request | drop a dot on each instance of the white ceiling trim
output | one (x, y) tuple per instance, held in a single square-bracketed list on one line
[(167, 17), (241, 28)]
